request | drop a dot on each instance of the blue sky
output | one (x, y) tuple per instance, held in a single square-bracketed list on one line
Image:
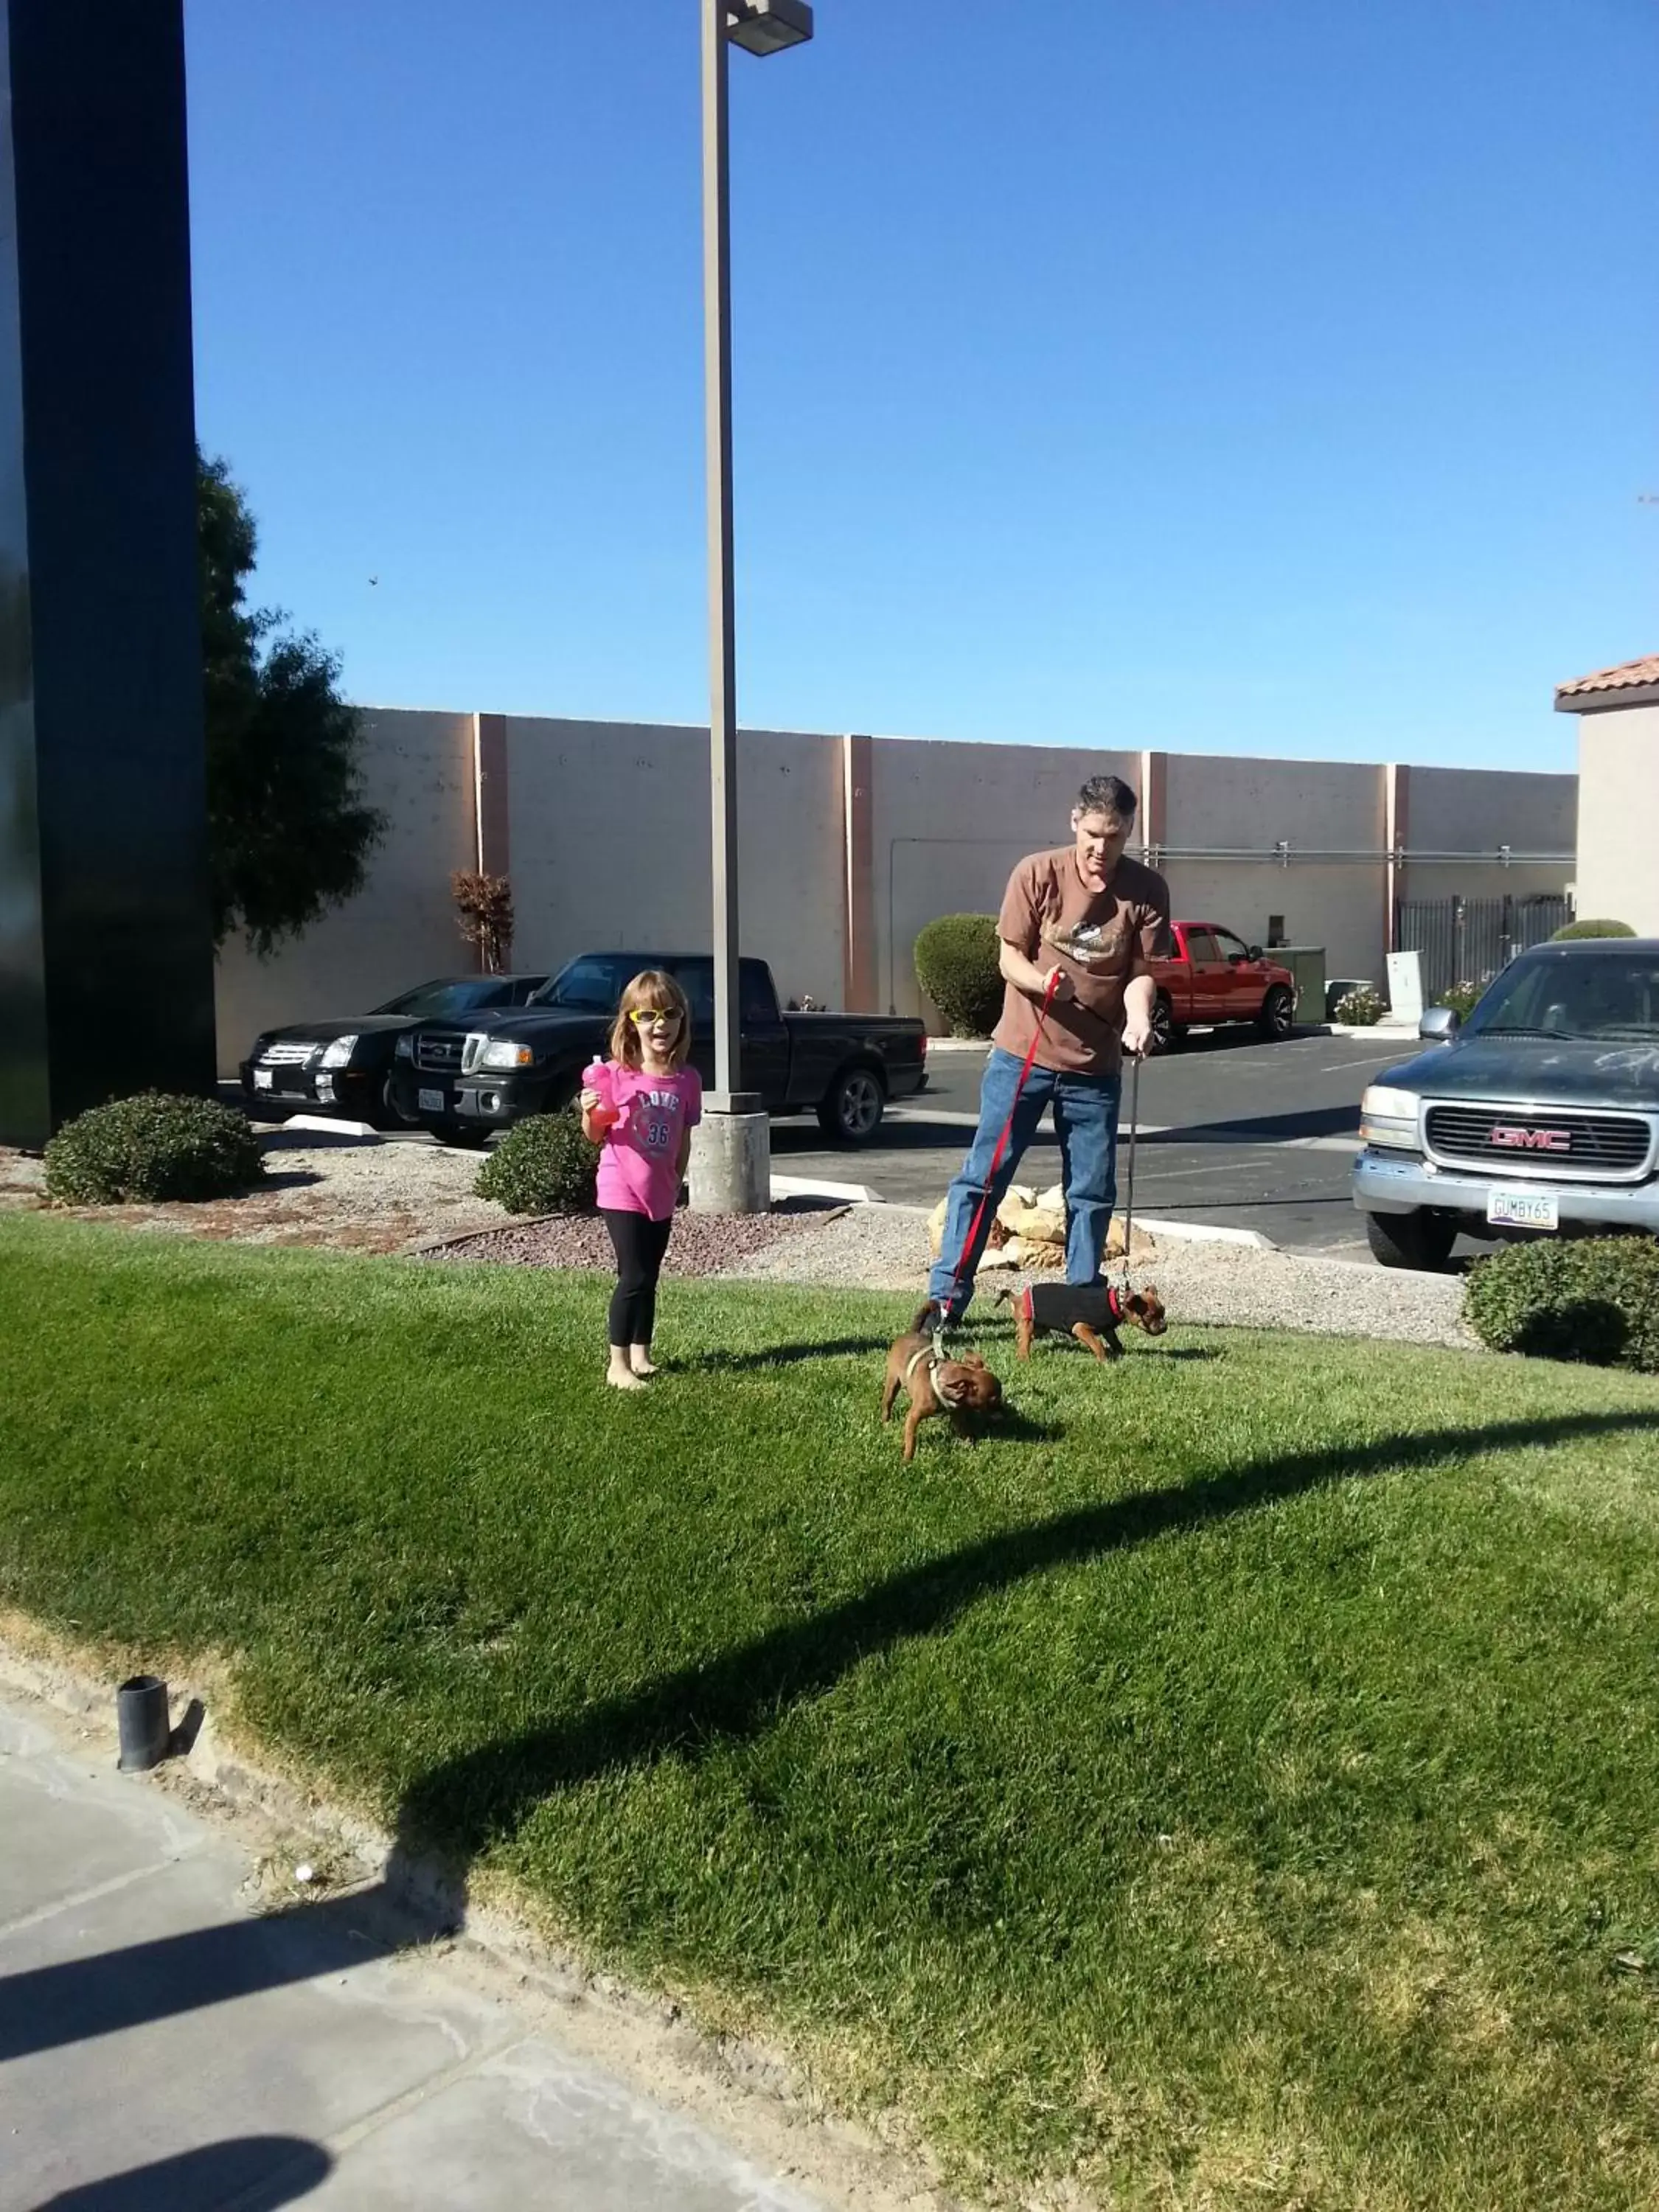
[(1273, 376)]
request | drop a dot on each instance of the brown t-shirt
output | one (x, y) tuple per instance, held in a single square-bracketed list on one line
[(1084, 1033)]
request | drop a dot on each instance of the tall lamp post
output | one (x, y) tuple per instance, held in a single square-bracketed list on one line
[(759, 26)]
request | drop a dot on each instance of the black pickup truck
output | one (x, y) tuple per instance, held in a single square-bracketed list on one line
[(464, 1080)]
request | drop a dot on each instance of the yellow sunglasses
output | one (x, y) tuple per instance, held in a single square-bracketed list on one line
[(642, 1017)]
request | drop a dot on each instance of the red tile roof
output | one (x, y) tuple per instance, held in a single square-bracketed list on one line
[(1622, 678)]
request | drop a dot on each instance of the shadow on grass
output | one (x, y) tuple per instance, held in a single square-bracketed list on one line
[(778, 1355), (459, 1810), (484, 1796)]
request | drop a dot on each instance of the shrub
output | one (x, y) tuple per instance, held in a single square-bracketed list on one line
[(1592, 929), (1594, 1298), (140, 1150), (1361, 1007), (1463, 998), (541, 1165), (956, 961)]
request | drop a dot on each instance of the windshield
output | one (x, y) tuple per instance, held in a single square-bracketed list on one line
[(1606, 996), (594, 981), (438, 1001)]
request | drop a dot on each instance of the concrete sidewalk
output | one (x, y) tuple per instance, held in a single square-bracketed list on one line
[(164, 2048)]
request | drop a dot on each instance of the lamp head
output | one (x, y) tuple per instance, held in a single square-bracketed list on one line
[(766, 27)]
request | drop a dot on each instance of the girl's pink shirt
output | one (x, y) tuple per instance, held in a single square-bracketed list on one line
[(639, 1163)]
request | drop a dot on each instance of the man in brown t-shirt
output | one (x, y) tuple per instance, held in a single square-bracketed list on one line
[(1099, 1011)]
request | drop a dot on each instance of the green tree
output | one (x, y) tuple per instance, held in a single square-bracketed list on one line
[(288, 830)]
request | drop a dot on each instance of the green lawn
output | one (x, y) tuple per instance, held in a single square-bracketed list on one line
[(1237, 1788)]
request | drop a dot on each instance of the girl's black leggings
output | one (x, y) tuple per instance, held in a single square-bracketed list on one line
[(640, 1243)]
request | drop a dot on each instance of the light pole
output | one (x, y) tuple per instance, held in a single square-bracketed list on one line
[(760, 27)]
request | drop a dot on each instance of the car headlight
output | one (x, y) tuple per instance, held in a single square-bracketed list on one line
[(505, 1054), (339, 1053), (404, 1047), (1387, 1116)]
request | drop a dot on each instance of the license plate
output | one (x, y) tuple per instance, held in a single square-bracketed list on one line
[(429, 1102), (262, 1078), (1524, 1209)]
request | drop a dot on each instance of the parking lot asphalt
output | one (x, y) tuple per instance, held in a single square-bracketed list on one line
[(1234, 1132)]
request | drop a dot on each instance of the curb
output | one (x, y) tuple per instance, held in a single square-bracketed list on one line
[(847, 1193), (1204, 1232), (328, 1125)]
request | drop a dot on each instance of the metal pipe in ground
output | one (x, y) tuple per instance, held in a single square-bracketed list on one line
[(142, 1722)]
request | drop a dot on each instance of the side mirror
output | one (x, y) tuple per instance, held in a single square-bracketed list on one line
[(1439, 1024), (1254, 953)]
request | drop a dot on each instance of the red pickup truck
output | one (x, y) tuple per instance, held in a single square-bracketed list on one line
[(1213, 977)]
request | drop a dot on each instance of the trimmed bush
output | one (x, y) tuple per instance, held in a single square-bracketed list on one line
[(1592, 929), (137, 1151), (1360, 1007), (1594, 1298), (1463, 998), (956, 961), (541, 1165)]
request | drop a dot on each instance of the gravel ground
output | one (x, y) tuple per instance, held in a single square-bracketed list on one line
[(343, 1192), (886, 1248), (701, 1245)]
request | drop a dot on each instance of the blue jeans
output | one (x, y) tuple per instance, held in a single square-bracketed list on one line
[(1085, 1122)]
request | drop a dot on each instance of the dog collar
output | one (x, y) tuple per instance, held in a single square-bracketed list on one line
[(1114, 1303)]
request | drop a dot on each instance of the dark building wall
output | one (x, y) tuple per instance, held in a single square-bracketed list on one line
[(106, 952)]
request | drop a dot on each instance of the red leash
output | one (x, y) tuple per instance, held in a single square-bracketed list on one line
[(1002, 1141)]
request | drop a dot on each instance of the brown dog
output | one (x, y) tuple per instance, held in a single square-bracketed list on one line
[(1093, 1316), (935, 1385)]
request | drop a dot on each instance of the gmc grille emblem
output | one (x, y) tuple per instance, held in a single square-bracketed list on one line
[(1532, 1140)]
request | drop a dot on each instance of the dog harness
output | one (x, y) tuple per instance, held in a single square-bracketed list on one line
[(1062, 1305), (934, 1361)]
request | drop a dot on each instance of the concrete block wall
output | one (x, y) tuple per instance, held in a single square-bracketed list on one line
[(849, 845), (610, 845)]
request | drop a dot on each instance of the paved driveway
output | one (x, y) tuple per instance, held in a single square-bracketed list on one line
[(1233, 1131)]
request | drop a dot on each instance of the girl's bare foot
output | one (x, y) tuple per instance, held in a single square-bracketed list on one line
[(620, 1376), (639, 1359)]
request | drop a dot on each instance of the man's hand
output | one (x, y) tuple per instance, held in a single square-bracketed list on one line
[(1139, 1000), (1025, 976)]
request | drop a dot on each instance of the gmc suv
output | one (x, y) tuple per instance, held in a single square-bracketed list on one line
[(1539, 1114)]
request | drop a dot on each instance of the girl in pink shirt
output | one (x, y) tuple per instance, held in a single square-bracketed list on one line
[(641, 1106)]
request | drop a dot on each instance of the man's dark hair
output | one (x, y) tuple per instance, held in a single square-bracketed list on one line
[(1107, 794)]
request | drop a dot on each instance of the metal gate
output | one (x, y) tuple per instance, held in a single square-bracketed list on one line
[(1468, 940)]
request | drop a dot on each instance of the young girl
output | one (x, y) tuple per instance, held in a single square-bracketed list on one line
[(641, 1105)]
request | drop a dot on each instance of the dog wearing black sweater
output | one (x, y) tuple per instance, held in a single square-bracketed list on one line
[(1093, 1314)]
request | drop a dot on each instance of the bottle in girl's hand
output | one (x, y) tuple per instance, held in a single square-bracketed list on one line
[(597, 1076)]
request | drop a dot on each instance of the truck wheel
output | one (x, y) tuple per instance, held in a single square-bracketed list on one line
[(389, 1114), (468, 1135), (1422, 1240), (1168, 1034), (1278, 1015), (851, 1110)]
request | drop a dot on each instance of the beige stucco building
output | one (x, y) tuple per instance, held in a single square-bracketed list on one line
[(1618, 711)]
